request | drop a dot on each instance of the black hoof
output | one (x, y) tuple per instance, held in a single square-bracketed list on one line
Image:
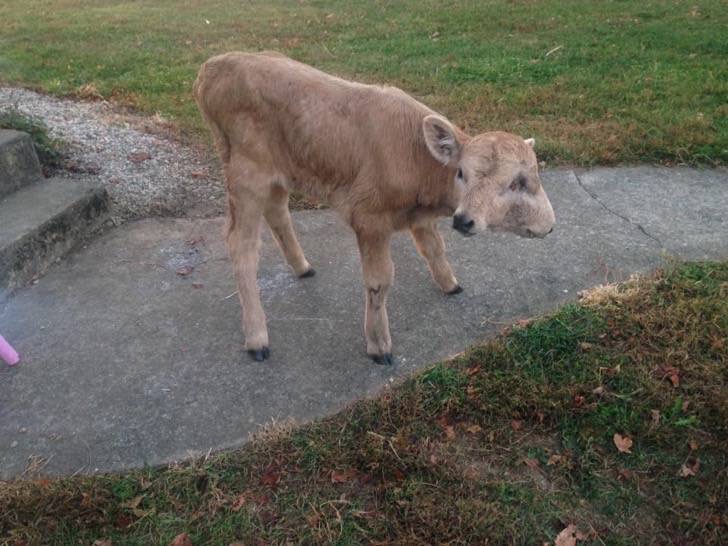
[(259, 355), (310, 273), (384, 360), (455, 290)]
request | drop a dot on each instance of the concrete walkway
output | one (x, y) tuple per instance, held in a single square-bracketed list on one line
[(126, 363)]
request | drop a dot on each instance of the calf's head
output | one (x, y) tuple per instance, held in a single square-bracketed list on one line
[(497, 174)]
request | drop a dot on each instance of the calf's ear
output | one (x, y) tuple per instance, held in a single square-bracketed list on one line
[(441, 139)]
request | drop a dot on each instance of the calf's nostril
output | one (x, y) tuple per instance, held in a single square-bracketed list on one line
[(551, 230), (462, 223)]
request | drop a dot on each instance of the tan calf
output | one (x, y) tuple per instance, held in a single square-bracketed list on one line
[(383, 160)]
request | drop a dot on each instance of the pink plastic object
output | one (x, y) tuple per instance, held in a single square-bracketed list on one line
[(7, 353)]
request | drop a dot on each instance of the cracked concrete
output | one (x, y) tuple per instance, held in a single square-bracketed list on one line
[(623, 217), (126, 363)]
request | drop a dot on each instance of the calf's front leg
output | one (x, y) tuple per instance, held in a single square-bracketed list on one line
[(378, 273), (430, 245), (279, 219)]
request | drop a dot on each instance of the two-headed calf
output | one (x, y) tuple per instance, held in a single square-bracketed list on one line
[(383, 160)]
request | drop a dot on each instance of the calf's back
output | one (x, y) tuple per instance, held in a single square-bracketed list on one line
[(357, 146)]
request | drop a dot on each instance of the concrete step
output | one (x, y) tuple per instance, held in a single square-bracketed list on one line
[(41, 222), (19, 164)]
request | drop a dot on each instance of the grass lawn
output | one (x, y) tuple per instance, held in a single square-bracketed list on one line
[(599, 81), (610, 414)]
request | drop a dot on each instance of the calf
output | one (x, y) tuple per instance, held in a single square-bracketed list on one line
[(380, 158)]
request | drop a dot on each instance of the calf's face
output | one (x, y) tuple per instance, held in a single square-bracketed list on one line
[(497, 174)]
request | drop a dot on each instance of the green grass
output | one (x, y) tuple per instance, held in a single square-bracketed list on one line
[(508, 443), (50, 150), (594, 81)]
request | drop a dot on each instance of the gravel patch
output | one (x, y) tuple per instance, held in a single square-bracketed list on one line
[(146, 172)]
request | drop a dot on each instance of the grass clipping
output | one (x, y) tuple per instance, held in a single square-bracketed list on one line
[(603, 423)]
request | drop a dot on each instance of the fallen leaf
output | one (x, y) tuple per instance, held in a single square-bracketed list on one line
[(693, 445), (197, 285), (134, 503), (450, 432), (655, 416), (689, 469), (138, 157), (86, 500), (181, 540), (267, 516), (611, 372), (625, 474), (474, 429), (472, 370), (516, 424), (555, 459), (579, 400), (103, 542), (343, 476), (238, 503), (398, 474), (270, 476), (531, 463), (312, 520), (671, 373), (586, 346), (138, 512), (444, 420), (184, 270), (471, 473), (198, 174), (623, 443), (123, 521), (598, 391), (569, 536)]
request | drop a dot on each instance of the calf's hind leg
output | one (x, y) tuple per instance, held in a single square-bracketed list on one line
[(279, 219), (246, 203)]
